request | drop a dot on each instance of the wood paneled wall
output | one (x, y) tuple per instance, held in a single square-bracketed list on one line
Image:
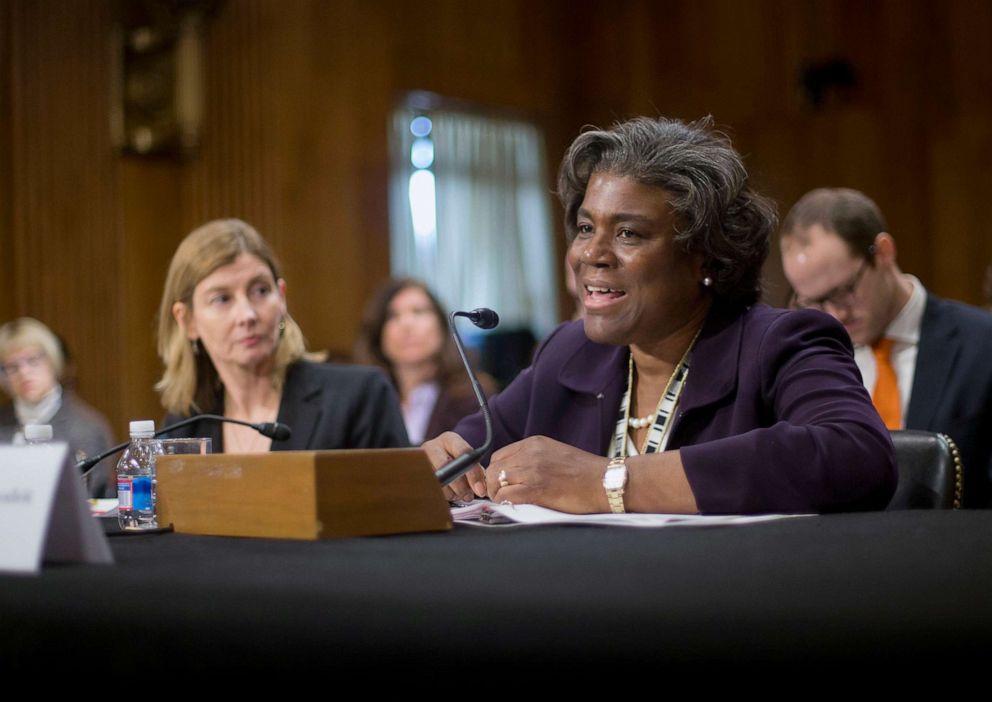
[(62, 233), (295, 139)]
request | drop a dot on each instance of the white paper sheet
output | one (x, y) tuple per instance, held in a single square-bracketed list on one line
[(485, 513)]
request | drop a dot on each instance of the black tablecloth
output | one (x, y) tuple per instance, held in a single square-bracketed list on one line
[(858, 590)]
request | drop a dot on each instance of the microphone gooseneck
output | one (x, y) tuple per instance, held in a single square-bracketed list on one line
[(483, 318), (273, 430), (277, 431)]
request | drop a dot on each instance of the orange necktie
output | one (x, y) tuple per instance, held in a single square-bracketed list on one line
[(886, 395)]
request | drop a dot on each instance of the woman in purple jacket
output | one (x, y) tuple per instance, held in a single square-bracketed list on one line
[(677, 392)]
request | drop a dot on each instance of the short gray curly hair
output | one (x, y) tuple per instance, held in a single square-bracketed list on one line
[(717, 214)]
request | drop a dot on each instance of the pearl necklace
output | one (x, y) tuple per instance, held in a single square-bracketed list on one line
[(649, 420), (641, 422)]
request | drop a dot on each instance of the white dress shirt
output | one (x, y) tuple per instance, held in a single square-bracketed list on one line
[(905, 334)]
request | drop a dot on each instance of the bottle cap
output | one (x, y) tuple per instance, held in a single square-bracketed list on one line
[(142, 428), (37, 432)]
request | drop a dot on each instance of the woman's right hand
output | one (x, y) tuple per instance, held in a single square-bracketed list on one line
[(443, 449)]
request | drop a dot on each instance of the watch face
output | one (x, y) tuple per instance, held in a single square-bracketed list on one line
[(615, 478)]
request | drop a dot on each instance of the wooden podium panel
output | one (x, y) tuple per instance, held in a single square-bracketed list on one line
[(301, 494)]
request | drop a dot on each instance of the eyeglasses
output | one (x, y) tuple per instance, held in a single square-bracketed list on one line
[(16, 367), (841, 297)]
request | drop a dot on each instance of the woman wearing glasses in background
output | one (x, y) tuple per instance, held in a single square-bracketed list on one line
[(31, 367)]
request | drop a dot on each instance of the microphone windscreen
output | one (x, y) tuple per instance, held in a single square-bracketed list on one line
[(275, 430), (484, 318)]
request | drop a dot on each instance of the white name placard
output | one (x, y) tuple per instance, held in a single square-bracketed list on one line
[(43, 511)]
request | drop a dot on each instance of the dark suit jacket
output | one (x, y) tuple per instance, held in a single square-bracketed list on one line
[(952, 388), (456, 402), (82, 427), (773, 417), (452, 405), (327, 406)]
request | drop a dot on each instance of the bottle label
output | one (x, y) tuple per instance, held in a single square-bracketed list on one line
[(124, 493), (141, 493)]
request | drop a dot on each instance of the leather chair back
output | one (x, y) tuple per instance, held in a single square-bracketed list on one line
[(930, 474)]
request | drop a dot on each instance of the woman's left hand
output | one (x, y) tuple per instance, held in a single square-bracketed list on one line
[(542, 471)]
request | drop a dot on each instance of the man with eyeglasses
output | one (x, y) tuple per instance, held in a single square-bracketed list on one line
[(927, 362)]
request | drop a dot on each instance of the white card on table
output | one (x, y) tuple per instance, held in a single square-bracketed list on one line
[(43, 511)]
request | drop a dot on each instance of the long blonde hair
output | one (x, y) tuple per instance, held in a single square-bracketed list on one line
[(190, 382)]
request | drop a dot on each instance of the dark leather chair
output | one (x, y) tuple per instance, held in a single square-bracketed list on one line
[(929, 471)]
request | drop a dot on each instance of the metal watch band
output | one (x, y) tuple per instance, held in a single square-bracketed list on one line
[(614, 495)]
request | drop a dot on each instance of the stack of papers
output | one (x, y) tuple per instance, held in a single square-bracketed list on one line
[(486, 513)]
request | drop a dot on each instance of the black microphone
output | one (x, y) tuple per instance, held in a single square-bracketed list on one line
[(276, 431), (483, 318)]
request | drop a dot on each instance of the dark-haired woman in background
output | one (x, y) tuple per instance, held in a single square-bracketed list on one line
[(404, 332), (677, 392)]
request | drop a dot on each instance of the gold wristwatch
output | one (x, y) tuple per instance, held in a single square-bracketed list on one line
[(614, 482)]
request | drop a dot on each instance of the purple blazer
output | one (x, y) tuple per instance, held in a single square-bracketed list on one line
[(773, 417)]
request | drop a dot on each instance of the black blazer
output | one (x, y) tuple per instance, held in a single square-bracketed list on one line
[(327, 406), (952, 388), (85, 430)]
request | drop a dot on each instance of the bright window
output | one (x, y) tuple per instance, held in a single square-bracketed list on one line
[(470, 214)]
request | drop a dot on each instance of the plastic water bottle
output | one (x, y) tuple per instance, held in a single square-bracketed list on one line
[(37, 433), (136, 478)]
